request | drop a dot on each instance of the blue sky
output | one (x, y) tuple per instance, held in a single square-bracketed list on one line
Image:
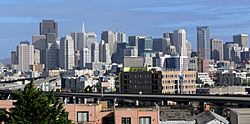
[(19, 19)]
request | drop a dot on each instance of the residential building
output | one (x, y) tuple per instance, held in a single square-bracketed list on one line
[(240, 115), (177, 82), (209, 117)]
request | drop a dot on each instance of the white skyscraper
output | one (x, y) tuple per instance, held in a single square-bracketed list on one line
[(67, 53), (25, 53), (104, 52), (85, 57), (179, 41), (120, 37)]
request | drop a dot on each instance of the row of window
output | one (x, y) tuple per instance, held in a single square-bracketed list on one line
[(83, 117), (142, 120), (173, 81)]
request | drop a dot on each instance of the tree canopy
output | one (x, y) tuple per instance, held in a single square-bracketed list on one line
[(34, 107)]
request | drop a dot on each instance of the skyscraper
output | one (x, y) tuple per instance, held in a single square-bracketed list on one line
[(168, 35), (161, 44), (217, 49), (189, 49), (109, 37), (231, 51), (52, 59), (203, 42), (67, 60), (104, 52), (120, 37), (85, 57), (36, 56), (25, 53), (179, 41), (14, 58), (242, 40), (48, 26), (95, 52), (39, 42), (90, 38), (145, 44), (79, 40)]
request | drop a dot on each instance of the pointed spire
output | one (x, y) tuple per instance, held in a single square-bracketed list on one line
[(83, 27)]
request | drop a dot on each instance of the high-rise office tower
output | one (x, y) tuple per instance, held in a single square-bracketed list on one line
[(117, 57), (48, 26), (216, 49), (203, 42), (120, 37), (67, 60), (79, 40), (145, 44), (109, 37), (242, 40), (39, 42), (168, 35), (90, 38), (13, 58), (25, 53), (179, 41), (52, 59), (95, 52), (36, 56), (161, 44), (85, 57), (189, 49), (104, 52), (231, 51)]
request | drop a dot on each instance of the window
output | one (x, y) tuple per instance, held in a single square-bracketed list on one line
[(145, 120), (126, 120), (82, 117)]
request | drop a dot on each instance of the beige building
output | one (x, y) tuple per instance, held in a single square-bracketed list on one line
[(171, 83)]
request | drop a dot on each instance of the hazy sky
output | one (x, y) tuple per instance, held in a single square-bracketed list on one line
[(19, 19)]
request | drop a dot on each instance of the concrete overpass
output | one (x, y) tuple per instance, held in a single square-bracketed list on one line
[(37, 82), (150, 97)]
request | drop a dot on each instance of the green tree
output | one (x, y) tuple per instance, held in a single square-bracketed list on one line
[(34, 107)]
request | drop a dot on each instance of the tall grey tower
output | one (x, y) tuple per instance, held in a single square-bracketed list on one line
[(109, 38), (241, 39), (203, 42), (217, 49)]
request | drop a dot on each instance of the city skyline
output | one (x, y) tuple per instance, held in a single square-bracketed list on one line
[(19, 23)]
